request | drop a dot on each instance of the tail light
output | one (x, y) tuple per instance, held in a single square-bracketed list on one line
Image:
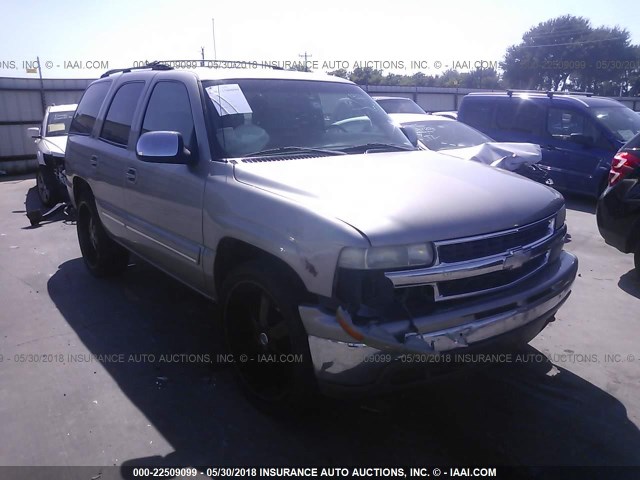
[(622, 165)]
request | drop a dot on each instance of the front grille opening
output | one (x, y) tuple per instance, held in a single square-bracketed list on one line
[(485, 247), (414, 297), (490, 280)]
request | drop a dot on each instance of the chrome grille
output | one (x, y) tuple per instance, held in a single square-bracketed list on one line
[(461, 250), (477, 265)]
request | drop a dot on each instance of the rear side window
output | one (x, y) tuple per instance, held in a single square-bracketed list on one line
[(117, 124), (477, 114), (169, 109), (519, 116), (88, 108), (562, 123)]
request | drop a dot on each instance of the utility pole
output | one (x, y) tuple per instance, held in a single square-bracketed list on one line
[(305, 56), (213, 31), (42, 99)]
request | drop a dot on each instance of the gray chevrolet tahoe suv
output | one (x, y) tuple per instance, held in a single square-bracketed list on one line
[(341, 256)]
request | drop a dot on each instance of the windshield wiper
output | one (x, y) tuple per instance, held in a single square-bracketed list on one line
[(292, 149), (377, 146)]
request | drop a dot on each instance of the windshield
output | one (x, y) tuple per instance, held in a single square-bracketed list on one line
[(399, 105), (254, 115), (623, 122), (447, 134), (58, 123)]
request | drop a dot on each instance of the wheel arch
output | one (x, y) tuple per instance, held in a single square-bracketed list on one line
[(232, 253), (80, 187)]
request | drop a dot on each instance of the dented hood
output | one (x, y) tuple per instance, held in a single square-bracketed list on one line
[(53, 145), (508, 156), (404, 197)]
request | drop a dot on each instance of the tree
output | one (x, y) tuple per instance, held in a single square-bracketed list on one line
[(298, 67), (481, 78), (567, 52), (341, 72), (366, 76)]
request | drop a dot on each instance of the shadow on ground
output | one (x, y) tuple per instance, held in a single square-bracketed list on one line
[(33, 204), (630, 283), (511, 414), (580, 203)]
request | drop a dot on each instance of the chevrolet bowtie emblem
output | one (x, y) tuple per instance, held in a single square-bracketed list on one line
[(516, 259)]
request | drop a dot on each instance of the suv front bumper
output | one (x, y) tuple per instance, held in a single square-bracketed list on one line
[(373, 356)]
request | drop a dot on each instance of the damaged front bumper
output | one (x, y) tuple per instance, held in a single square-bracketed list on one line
[(348, 355)]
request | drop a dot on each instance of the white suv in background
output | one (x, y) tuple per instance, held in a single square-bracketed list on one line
[(51, 142)]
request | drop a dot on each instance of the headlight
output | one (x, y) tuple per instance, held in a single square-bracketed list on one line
[(375, 258), (560, 217)]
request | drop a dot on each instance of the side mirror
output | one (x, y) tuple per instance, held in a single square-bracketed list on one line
[(163, 147), (411, 134), (581, 139), (33, 132)]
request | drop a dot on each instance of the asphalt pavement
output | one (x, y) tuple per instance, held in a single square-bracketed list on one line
[(109, 373)]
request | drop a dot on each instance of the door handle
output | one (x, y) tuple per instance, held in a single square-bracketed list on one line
[(93, 161), (131, 175)]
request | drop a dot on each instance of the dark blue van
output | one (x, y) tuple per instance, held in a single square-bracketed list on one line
[(578, 134)]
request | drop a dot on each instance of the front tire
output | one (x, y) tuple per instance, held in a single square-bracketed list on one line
[(46, 184), (102, 256), (265, 335)]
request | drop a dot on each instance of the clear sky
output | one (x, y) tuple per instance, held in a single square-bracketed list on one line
[(123, 31)]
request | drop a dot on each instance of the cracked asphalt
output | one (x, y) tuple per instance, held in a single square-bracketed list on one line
[(82, 381)]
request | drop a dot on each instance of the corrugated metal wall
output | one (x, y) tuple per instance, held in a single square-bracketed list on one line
[(22, 103)]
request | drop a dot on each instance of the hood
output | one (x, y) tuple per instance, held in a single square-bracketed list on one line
[(405, 197), (53, 145), (508, 156)]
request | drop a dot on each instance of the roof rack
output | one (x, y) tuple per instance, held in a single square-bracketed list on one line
[(150, 65), (549, 93), (189, 63), (212, 63)]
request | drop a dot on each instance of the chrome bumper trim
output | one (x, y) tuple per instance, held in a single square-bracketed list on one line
[(338, 361)]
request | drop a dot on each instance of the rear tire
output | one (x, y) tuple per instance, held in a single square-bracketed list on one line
[(102, 256), (261, 321), (48, 189)]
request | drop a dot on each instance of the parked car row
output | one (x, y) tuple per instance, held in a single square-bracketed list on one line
[(578, 134), (582, 140)]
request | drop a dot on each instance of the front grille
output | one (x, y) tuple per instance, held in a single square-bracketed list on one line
[(473, 266), (462, 251), (490, 281)]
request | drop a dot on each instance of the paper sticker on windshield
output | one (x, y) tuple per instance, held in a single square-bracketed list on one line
[(62, 115), (55, 127), (228, 99)]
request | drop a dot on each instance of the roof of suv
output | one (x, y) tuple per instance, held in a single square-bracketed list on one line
[(378, 97), (260, 72), (584, 100)]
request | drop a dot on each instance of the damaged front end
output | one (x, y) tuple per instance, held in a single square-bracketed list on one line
[(472, 292)]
